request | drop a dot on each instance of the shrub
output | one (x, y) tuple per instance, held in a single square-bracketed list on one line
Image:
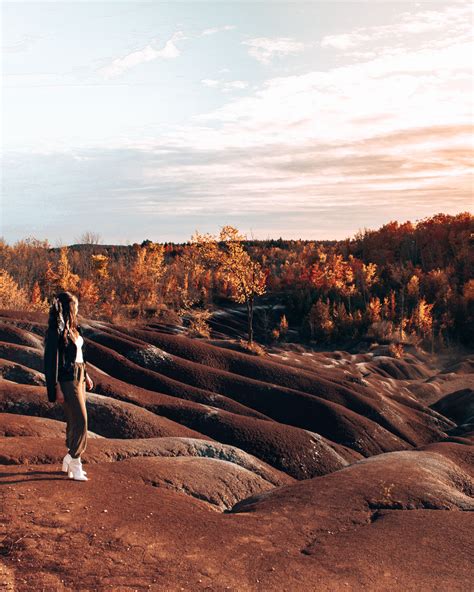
[(253, 348), (198, 326), (396, 350)]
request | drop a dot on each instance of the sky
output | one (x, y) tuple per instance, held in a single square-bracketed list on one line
[(151, 120)]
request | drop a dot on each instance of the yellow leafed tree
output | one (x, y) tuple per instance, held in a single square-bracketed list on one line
[(422, 318), (11, 295), (374, 309), (146, 273), (100, 264), (245, 276), (37, 302), (67, 280), (89, 293), (413, 286)]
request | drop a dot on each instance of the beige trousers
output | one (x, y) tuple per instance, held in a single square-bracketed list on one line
[(74, 406)]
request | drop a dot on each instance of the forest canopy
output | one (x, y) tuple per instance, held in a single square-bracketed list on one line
[(402, 281)]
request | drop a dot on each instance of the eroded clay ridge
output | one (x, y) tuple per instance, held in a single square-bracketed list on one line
[(213, 469)]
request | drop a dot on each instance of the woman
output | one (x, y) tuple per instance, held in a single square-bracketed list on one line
[(66, 376)]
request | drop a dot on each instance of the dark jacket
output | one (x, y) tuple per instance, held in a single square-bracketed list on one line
[(59, 360)]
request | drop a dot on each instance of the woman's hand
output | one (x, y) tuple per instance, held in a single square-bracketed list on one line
[(89, 383), (59, 394)]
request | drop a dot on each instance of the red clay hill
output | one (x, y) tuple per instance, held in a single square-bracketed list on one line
[(213, 469)]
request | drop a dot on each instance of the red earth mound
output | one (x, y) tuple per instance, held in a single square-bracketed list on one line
[(12, 426), (212, 469), (380, 524), (458, 406), (107, 417)]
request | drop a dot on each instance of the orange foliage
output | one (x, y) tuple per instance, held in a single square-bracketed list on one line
[(413, 278), (11, 295)]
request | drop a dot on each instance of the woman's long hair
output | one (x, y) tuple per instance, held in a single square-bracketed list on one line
[(63, 317)]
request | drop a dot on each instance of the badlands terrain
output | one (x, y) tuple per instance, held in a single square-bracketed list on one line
[(214, 469)]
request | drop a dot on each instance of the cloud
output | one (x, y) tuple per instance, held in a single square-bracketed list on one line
[(234, 84), (147, 54), (211, 31), (314, 191), (385, 136), (456, 19), (225, 86), (210, 82), (264, 49), (150, 53), (22, 45), (313, 155), (345, 40)]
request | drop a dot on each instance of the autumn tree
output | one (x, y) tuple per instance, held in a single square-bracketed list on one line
[(145, 274), (100, 266), (389, 307), (99, 290), (60, 277), (49, 280), (11, 295), (332, 274), (88, 294), (374, 310), (343, 319), (37, 301), (422, 319), (413, 288), (319, 319), (283, 327), (367, 278), (245, 276), (66, 279), (193, 282)]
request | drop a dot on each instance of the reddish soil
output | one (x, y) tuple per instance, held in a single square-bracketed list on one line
[(212, 469)]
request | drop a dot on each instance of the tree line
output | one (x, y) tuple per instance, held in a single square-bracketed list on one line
[(402, 282)]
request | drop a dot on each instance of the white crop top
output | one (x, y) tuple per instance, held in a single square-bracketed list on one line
[(79, 341)]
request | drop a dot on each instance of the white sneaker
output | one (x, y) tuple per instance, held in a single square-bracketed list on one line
[(75, 470), (66, 460)]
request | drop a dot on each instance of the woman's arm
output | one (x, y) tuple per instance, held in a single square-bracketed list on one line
[(89, 381), (50, 362)]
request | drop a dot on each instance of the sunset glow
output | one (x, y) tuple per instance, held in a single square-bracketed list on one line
[(162, 120)]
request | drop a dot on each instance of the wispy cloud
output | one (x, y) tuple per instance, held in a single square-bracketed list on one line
[(147, 54), (264, 49), (152, 51), (22, 45), (213, 30), (318, 154), (225, 86), (455, 19), (387, 134)]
